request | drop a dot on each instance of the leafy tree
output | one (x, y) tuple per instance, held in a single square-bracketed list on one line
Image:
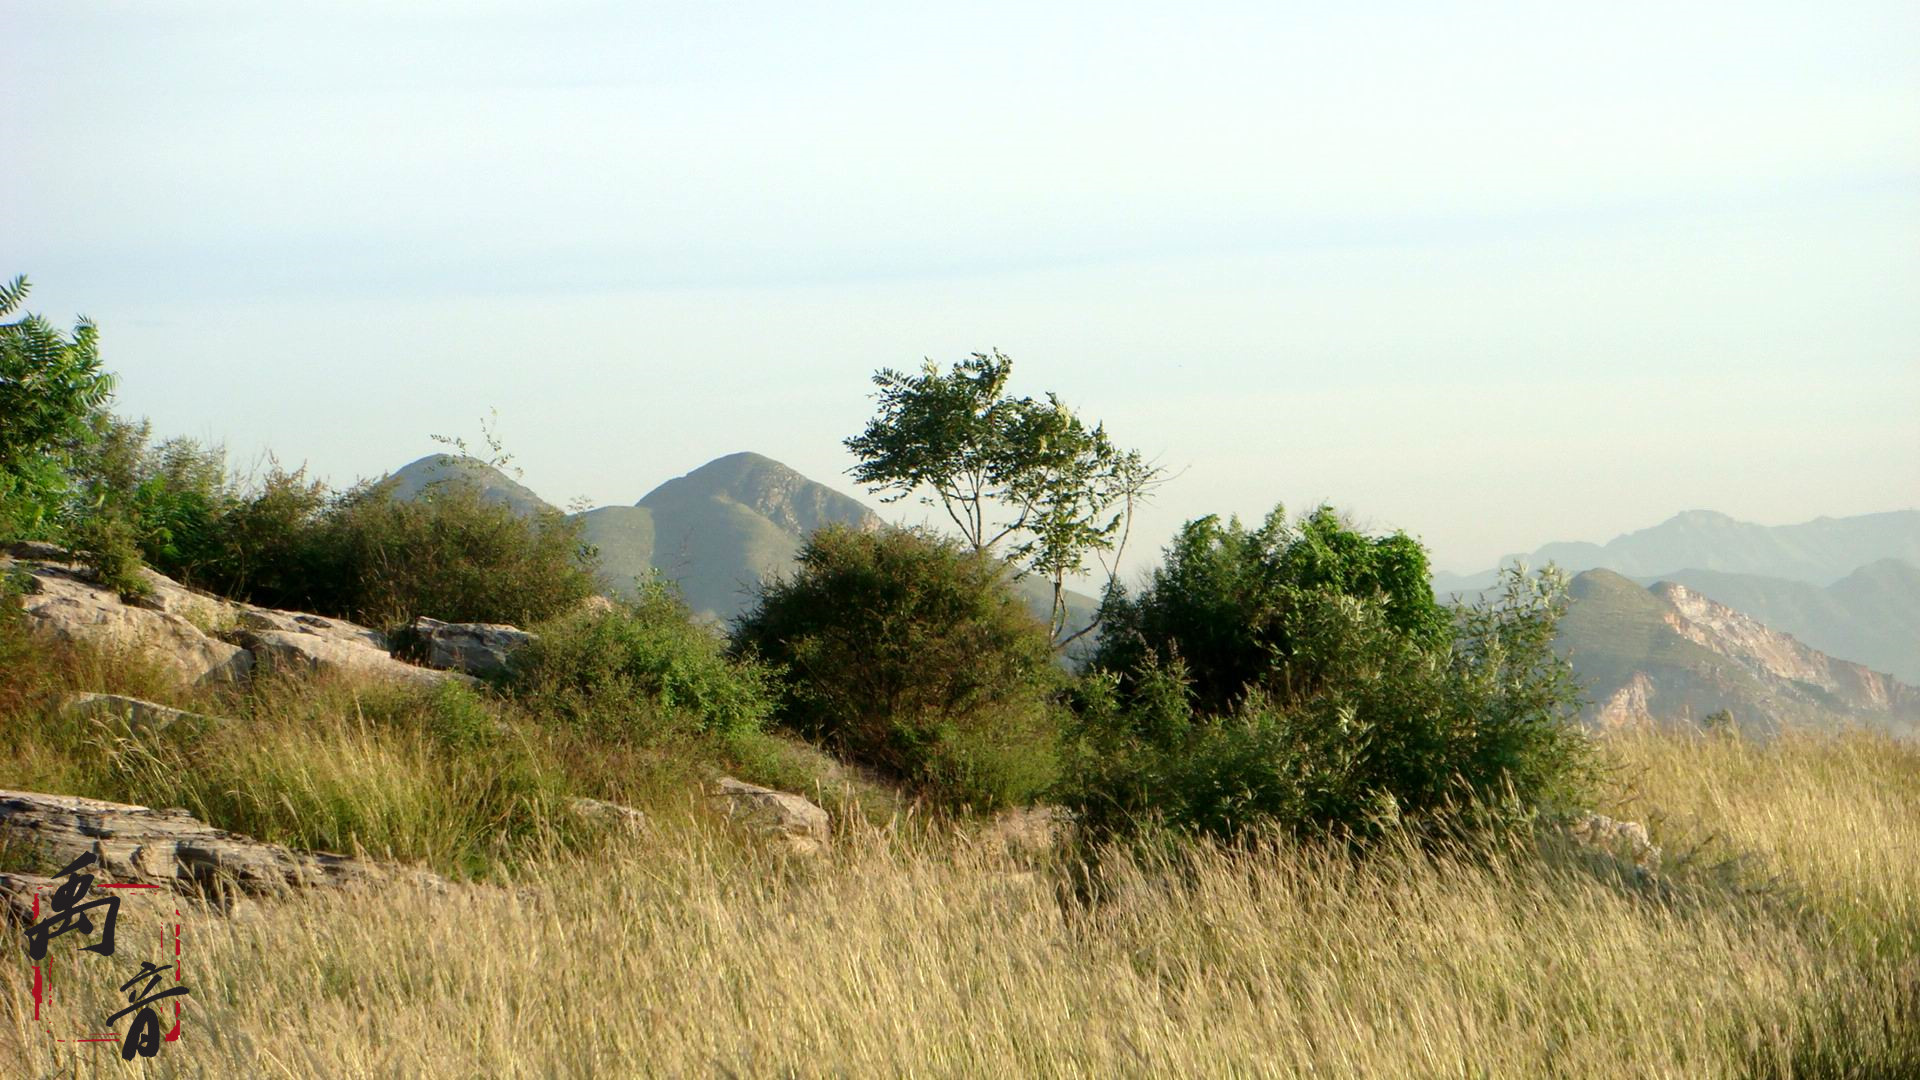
[(1230, 602), (50, 386), (1025, 471)]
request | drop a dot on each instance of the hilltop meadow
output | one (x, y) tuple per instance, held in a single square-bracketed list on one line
[(1273, 811)]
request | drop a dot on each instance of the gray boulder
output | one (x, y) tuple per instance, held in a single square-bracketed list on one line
[(293, 651), (473, 648), (136, 714)]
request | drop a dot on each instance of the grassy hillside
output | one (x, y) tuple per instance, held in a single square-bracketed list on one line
[(1781, 937)]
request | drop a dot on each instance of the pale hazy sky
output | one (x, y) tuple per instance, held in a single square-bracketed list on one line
[(1494, 273)]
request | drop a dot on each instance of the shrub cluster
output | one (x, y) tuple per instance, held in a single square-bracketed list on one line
[(285, 541), (641, 669), (912, 655), (1365, 711)]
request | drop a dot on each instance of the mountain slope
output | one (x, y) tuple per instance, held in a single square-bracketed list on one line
[(1671, 655), (779, 494), (1871, 616)]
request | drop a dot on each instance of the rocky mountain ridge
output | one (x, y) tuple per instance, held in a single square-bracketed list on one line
[(1670, 655)]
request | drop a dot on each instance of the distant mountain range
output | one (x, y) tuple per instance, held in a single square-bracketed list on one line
[(717, 532), (1670, 655), (1818, 552), (1845, 592)]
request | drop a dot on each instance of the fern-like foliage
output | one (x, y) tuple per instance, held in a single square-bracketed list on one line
[(50, 386)]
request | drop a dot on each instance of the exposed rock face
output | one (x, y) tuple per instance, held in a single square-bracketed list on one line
[(172, 849), (473, 648), (248, 617), (1629, 706), (803, 825), (63, 605), (204, 638), (1669, 655), (1731, 633)]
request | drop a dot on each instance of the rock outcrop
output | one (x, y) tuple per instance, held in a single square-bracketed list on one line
[(172, 849), (62, 604), (482, 649), (136, 714), (1667, 655), (803, 826), (201, 637)]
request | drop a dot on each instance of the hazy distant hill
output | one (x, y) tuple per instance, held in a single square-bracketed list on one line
[(716, 532), (1818, 552), (791, 501), (1670, 655), (1872, 615), (416, 477)]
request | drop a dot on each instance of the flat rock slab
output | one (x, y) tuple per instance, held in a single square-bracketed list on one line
[(171, 848), (299, 651), (61, 604), (473, 648)]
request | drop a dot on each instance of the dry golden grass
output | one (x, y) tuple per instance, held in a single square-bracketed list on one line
[(685, 953)]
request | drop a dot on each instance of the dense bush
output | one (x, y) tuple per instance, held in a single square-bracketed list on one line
[(451, 554), (1229, 602), (285, 541), (640, 669), (1360, 716), (912, 655)]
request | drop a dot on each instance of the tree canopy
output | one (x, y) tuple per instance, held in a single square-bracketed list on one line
[(1027, 472)]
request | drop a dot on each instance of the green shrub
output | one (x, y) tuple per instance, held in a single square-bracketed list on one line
[(1394, 730), (906, 653), (452, 555), (1227, 600), (109, 547), (642, 669)]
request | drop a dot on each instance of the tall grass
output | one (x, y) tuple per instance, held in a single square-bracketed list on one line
[(689, 953)]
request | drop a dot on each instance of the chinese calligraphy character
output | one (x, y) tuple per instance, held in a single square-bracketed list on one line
[(143, 1034), (69, 914)]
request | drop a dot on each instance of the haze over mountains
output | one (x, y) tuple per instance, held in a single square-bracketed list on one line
[(716, 532), (1849, 587), (1818, 552)]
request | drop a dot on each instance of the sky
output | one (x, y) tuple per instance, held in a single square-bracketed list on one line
[(1495, 274)]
